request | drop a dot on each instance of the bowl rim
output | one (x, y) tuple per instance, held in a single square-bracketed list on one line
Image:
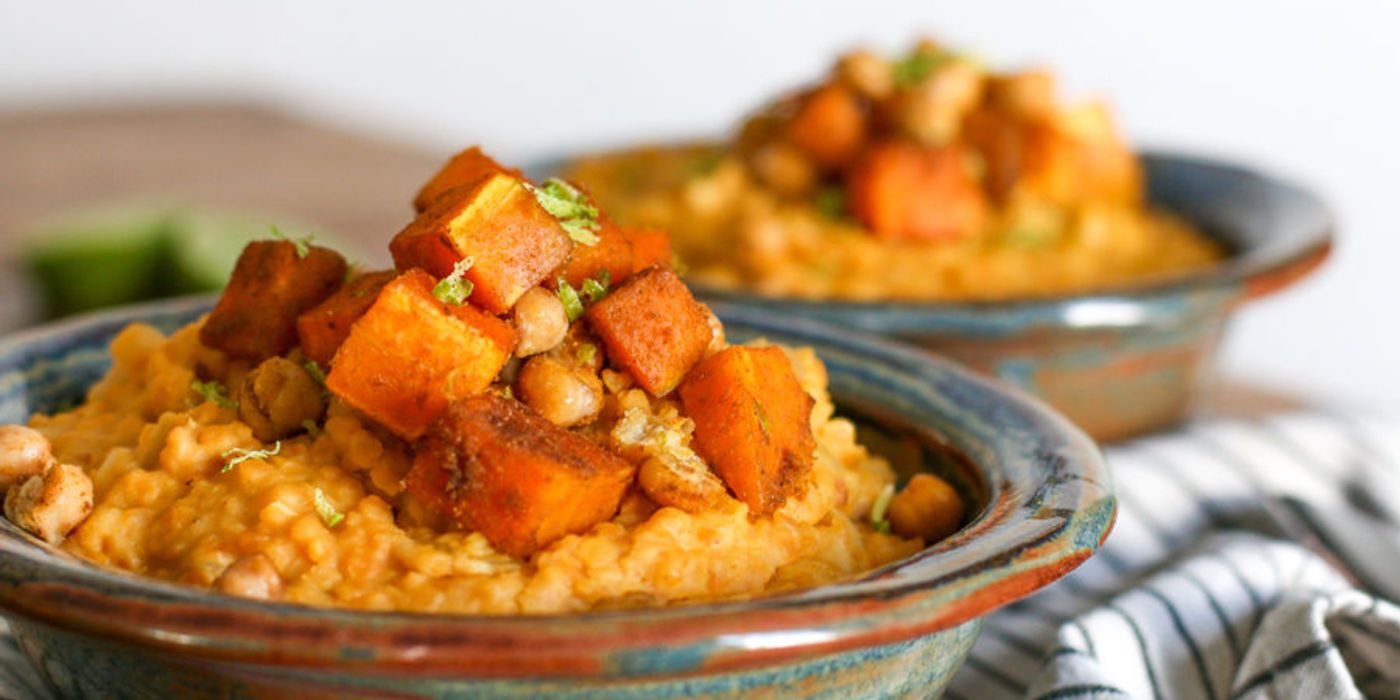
[(1243, 276), (877, 608)]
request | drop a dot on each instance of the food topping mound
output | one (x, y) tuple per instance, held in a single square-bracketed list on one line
[(529, 413)]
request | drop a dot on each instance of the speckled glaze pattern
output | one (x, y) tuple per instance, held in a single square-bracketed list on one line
[(1122, 362), (900, 631)]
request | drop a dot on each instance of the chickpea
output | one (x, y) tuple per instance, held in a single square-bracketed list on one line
[(251, 577), (563, 393), (687, 484), (782, 167), (927, 507), (24, 452), (717, 341), (867, 73), (51, 505), (540, 322), (277, 397), (932, 111), (1029, 95)]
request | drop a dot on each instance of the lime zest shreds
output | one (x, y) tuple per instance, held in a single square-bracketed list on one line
[(882, 504), (315, 371), (573, 305), (311, 428), (565, 203), (302, 245), (329, 515), (586, 353), (241, 455), (763, 423), (596, 288), (215, 392), (454, 288)]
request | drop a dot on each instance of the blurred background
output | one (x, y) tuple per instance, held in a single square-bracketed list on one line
[(332, 113)]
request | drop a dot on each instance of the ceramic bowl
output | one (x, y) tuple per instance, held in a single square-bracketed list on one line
[(1126, 361), (1039, 490)]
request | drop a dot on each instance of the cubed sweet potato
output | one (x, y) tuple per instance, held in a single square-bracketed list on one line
[(272, 284), (620, 251), (829, 126), (650, 247), (752, 423), (500, 469), (322, 329), (465, 168), (512, 241), (907, 192), (652, 328), (410, 354)]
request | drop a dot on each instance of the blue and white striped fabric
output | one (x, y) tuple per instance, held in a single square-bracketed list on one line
[(1250, 560)]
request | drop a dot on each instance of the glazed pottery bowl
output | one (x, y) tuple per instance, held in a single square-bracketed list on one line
[(1125, 361), (1039, 494)]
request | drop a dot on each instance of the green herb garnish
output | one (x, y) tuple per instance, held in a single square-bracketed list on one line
[(315, 371), (912, 69), (311, 428), (329, 515), (763, 420), (215, 392), (565, 203), (454, 288), (882, 504), (586, 353), (302, 245), (241, 455), (830, 202), (573, 305), (597, 288)]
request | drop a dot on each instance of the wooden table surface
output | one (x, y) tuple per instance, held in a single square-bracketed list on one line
[(245, 157)]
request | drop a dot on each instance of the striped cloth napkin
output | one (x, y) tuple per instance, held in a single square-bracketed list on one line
[(1250, 560)]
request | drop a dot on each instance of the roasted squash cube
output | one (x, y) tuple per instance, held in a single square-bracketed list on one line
[(620, 251), (829, 126), (652, 328), (512, 241), (465, 168), (272, 284), (409, 355), (906, 192), (650, 247), (322, 329), (499, 468), (752, 423)]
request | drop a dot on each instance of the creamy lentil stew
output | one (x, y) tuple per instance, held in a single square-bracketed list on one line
[(924, 177), (530, 413)]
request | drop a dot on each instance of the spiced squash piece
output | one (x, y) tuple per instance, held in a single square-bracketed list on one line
[(752, 423), (273, 282), (650, 247), (322, 329), (512, 241), (829, 126), (612, 252), (906, 192), (465, 168), (652, 328), (498, 468), (410, 354)]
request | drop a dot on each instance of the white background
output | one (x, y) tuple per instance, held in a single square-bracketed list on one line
[(1311, 91)]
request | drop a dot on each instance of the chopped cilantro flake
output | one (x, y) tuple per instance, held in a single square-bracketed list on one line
[(912, 69), (830, 202), (573, 305), (329, 515), (565, 203), (763, 420), (454, 289), (215, 392), (882, 504), (316, 372), (597, 288), (586, 353), (311, 428), (241, 455), (302, 245)]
